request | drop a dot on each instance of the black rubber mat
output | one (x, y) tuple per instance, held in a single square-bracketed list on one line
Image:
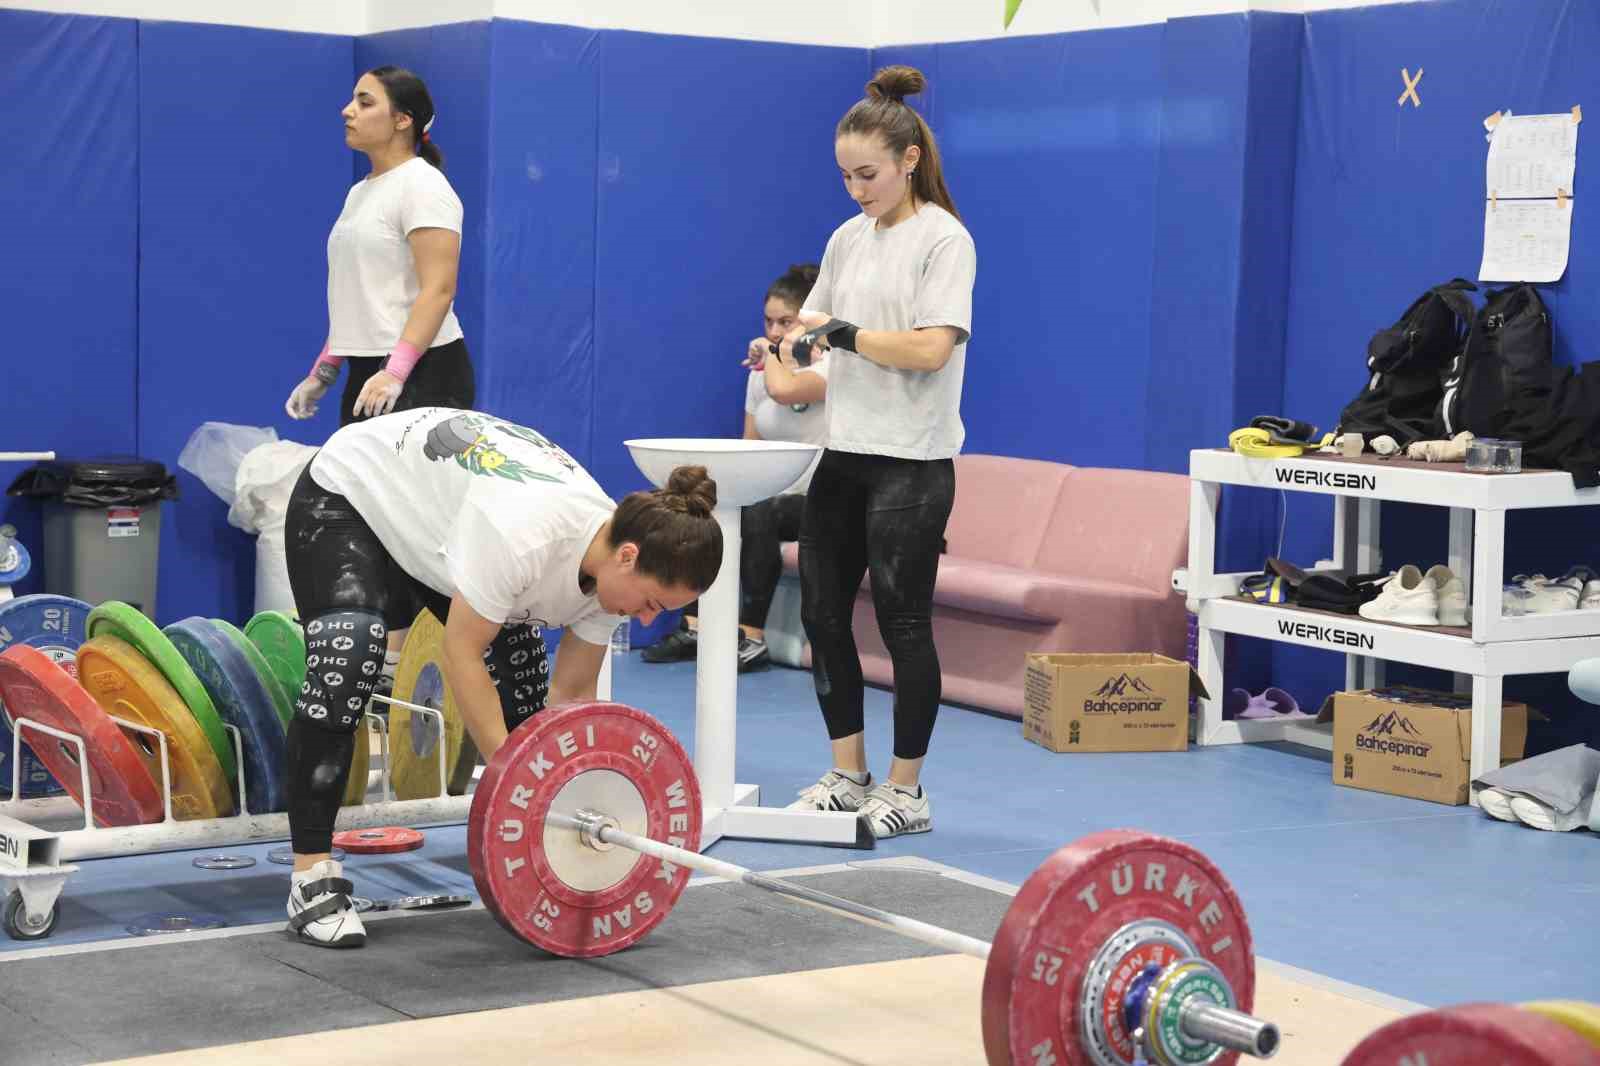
[(75, 1009)]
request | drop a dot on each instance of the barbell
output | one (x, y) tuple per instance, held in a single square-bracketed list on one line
[(1122, 948)]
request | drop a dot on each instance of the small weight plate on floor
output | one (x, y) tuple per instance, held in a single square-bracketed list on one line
[(283, 645), (383, 841), (1078, 926), (224, 862), (414, 738), (123, 789), (542, 882), (418, 903), (284, 856), (128, 623), (55, 626), (127, 686), (244, 701), (1582, 1018), (1475, 1034), (282, 701), (158, 924)]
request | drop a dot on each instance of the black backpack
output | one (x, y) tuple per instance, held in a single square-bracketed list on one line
[(1504, 366), (1407, 362)]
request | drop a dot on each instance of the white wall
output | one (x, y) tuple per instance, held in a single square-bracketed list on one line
[(854, 23)]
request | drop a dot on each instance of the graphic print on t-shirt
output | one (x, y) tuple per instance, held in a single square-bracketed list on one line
[(476, 443)]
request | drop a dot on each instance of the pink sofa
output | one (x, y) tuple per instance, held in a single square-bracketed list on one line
[(1044, 557)]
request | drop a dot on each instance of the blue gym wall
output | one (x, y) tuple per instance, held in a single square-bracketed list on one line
[(1179, 227)]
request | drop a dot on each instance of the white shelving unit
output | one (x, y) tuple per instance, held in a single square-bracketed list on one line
[(1480, 655)]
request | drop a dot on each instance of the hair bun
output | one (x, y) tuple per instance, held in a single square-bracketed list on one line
[(896, 83), (691, 490)]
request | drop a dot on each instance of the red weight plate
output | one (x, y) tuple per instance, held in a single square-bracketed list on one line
[(378, 841), (541, 882), (1474, 1034), (123, 791), (1119, 898)]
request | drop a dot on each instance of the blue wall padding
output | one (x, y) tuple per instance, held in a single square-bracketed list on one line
[(707, 191), (1050, 151), (70, 86), (243, 169), (454, 62), (1388, 201), (539, 366)]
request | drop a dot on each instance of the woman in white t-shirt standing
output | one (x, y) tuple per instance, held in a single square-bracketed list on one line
[(894, 303), (781, 402), (393, 256)]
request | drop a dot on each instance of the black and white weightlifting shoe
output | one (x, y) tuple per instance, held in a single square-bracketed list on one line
[(320, 910)]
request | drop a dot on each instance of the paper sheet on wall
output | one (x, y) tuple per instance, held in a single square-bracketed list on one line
[(1528, 206)]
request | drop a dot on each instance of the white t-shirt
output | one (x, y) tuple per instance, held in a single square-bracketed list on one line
[(780, 421), (916, 274), (372, 276), (472, 504)]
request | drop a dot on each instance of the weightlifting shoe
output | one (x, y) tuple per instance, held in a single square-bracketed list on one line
[(320, 911), (835, 792), (1408, 597), (678, 646), (893, 810)]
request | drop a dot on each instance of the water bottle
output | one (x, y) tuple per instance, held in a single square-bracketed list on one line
[(619, 639)]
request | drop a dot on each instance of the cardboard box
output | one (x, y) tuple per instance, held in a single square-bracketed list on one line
[(1121, 702), (1413, 742)]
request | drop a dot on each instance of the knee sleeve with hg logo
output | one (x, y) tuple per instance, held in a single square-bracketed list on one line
[(344, 656)]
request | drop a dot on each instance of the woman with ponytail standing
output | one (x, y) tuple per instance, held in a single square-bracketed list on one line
[(392, 261), (894, 303)]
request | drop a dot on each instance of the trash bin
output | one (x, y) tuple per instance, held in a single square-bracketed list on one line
[(102, 526)]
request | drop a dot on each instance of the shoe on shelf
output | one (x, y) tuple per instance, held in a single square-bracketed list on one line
[(1589, 598), (1408, 597), (680, 645), (1452, 592)]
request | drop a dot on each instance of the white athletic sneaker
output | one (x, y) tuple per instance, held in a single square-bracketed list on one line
[(1535, 815), (1452, 596), (1407, 597), (835, 792), (1590, 597), (893, 811), (320, 911), (1496, 804), (1550, 595)]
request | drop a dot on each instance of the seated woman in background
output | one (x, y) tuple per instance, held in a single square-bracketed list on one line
[(781, 402)]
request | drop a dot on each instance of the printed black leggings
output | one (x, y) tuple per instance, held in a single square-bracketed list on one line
[(883, 516), (343, 577)]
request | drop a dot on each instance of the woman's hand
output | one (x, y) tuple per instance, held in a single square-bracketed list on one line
[(756, 354), (302, 402), (378, 395)]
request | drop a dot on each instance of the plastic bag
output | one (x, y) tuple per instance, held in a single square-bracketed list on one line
[(263, 483), (215, 450)]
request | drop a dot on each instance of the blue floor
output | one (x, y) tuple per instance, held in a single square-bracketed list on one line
[(1428, 903)]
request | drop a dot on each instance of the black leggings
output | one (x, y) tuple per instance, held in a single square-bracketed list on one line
[(339, 570), (763, 527), (885, 516), (441, 378)]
